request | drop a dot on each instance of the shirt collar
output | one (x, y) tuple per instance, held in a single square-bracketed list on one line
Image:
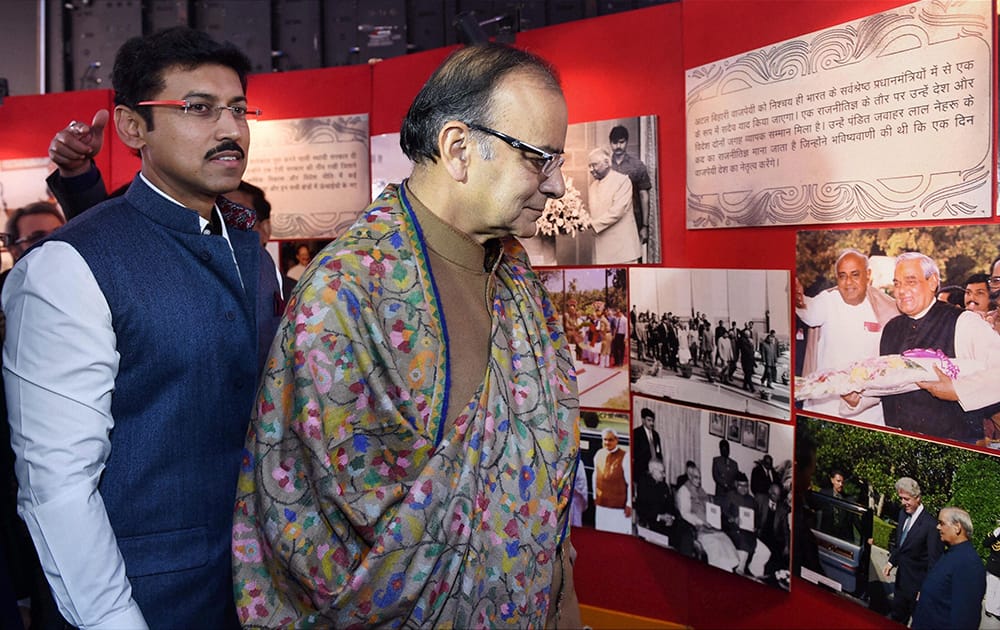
[(202, 221), (447, 242), (924, 312)]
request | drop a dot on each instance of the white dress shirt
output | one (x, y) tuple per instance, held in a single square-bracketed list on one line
[(59, 368)]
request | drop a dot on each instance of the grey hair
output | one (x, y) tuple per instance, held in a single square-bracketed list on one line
[(927, 264), (463, 88), (909, 486), (960, 516), (603, 152), (609, 431)]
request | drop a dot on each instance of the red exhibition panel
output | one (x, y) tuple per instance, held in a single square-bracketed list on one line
[(29, 122)]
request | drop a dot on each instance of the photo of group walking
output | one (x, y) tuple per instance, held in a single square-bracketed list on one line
[(712, 337), (726, 503)]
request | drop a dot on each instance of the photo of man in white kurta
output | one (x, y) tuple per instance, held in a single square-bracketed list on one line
[(612, 219)]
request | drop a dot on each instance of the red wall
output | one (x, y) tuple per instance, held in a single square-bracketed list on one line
[(27, 123), (622, 65)]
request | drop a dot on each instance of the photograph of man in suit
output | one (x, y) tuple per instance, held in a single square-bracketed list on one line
[(724, 470), (656, 509), (763, 476), (952, 594), (645, 444), (918, 547)]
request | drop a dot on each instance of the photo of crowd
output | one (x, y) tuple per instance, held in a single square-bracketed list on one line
[(882, 517), (899, 328), (713, 337), (726, 503), (591, 302)]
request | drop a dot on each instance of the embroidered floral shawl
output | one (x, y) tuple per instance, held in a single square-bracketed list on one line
[(355, 508)]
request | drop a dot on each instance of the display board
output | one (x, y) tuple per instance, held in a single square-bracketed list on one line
[(884, 118), (315, 172)]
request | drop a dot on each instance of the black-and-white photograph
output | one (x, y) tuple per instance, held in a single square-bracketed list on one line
[(712, 499), (610, 212), (712, 337)]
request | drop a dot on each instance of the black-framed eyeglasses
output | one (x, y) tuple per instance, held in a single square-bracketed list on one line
[(994, 281), (548, 163), (205, 111)]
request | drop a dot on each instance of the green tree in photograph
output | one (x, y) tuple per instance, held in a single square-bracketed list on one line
[(960, 250), (975, 492), (873, 460)]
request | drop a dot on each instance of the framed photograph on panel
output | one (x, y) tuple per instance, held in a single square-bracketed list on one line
[(763, 432), (698, 333), (749, 437), (717, 425), (596, 428), (610, 212), (734, 430), (858, 516), (593, 303), (694, 498), (863, 335)]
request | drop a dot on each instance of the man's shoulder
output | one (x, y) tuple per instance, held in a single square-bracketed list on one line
[(618, 177), (97, 221), (631, 162), (378, 230)]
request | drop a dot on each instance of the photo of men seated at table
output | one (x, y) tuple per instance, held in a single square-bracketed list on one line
[(723, 502)]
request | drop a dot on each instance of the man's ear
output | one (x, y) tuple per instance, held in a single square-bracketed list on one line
[(131, 127), (455, 147)]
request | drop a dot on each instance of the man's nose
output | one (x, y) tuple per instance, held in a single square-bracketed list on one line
[(554, 185)]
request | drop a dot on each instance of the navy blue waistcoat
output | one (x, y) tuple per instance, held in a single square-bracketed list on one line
[(185, 329), (918, 411)]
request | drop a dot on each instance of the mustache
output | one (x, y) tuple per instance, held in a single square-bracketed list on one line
[(227, 145)]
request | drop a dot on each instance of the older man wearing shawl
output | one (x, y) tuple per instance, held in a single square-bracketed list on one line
[(415, 443)]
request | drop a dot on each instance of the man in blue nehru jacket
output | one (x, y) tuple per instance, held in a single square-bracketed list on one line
[(129, 361), (951, 595)]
